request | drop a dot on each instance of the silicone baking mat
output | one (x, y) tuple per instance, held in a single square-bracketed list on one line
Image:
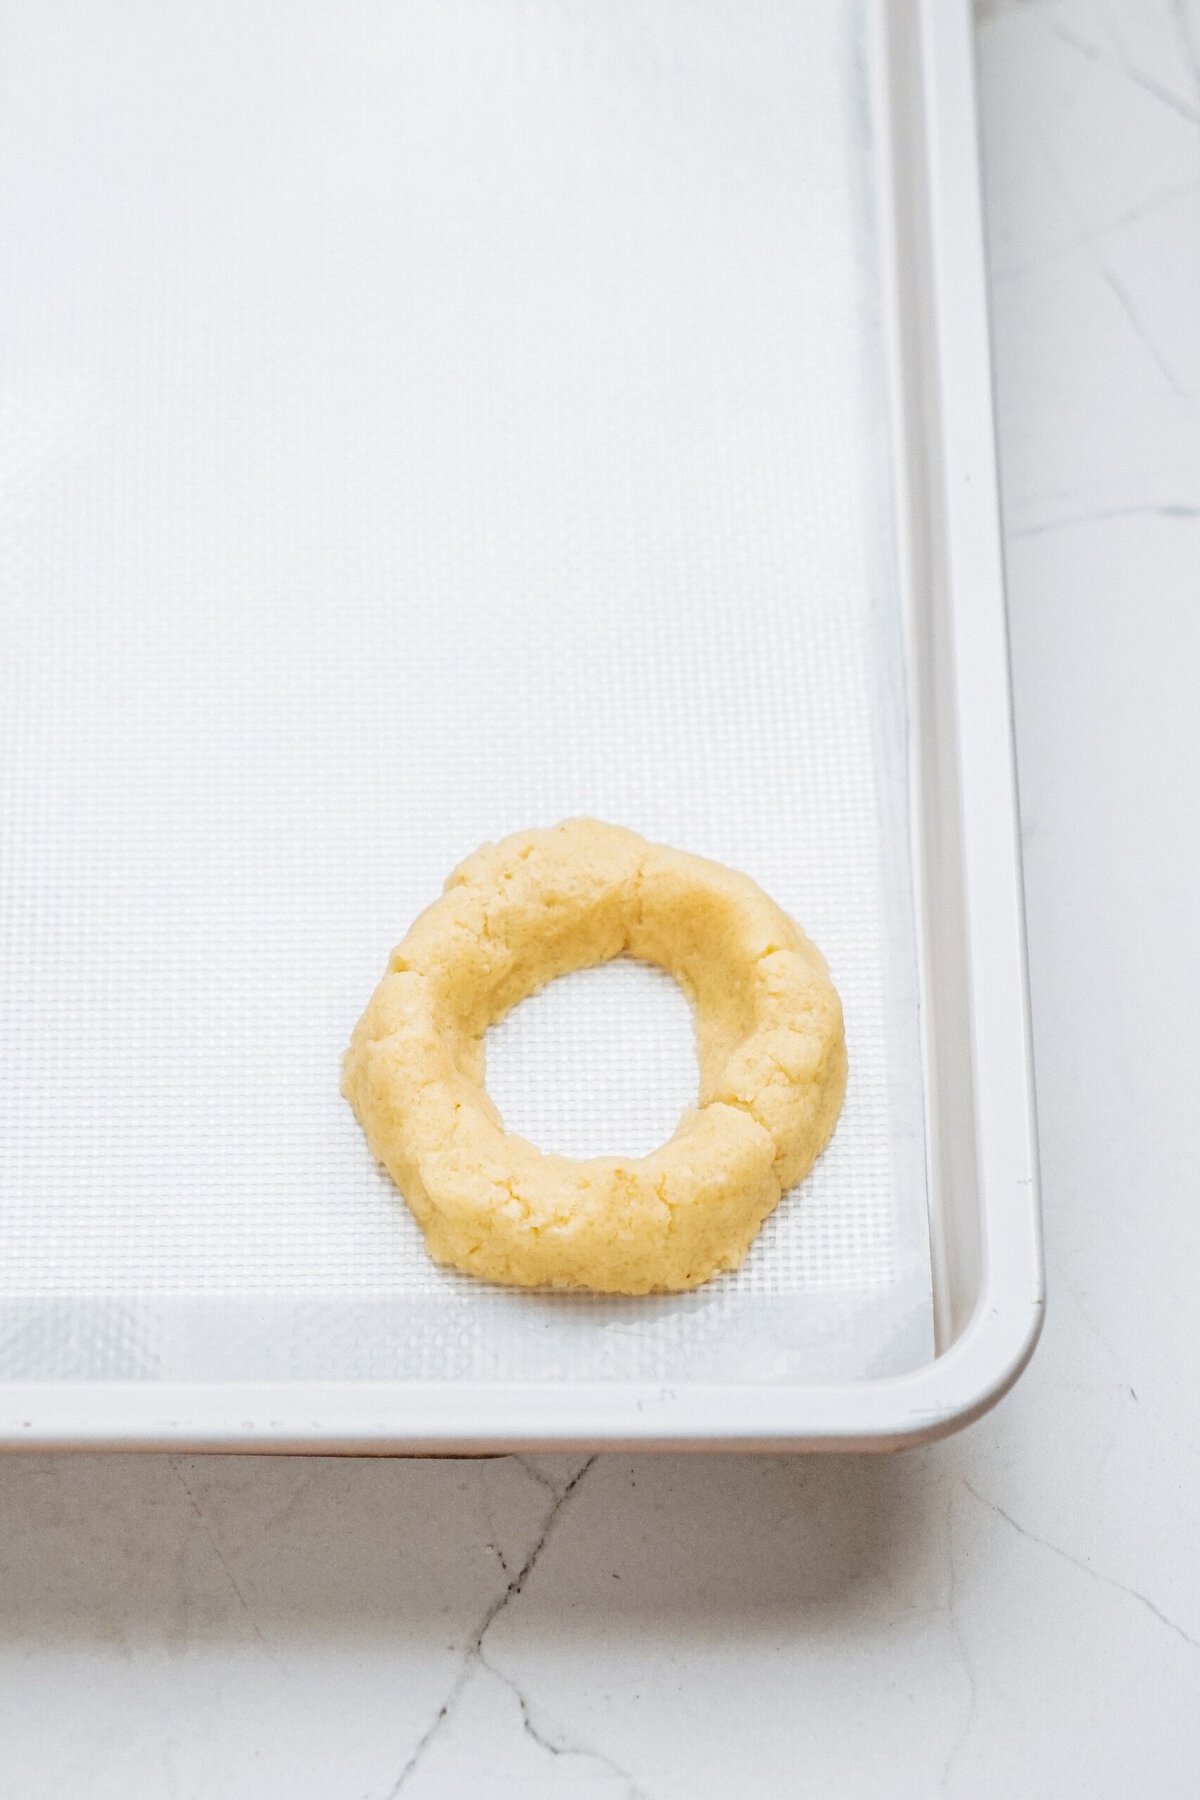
[(423, 422)]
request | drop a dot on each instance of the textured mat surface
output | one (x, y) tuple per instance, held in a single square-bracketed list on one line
[(425, 422)]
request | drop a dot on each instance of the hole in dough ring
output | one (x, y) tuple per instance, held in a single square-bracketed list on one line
[(540, 904)]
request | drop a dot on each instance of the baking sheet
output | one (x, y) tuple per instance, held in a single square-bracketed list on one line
[(422, 423)]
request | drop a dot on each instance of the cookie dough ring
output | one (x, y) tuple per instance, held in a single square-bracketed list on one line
[(540, 904)]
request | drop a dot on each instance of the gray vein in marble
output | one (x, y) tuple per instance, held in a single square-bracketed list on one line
[(1081, 240), (1091, 51), (1125, 299), (988, 11), (535, 1474), (1188, 43), (213, 1545), (1076, 1562), (1176, 511), (303, 1489), (558, 1745), (474, 1651), (1089, 238), (490, 1533), (1164, 95), (960, 1740), (497, 1552), (1150, 1414)]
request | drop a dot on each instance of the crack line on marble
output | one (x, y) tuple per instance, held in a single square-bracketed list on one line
[(491, 1535), (217, 1552), (523, 1462), (499, 1555), (1076, 1562), (559, 1746), (951, 1610), (472, 1656)]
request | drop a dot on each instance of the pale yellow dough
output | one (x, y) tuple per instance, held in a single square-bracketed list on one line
[(541, 903)]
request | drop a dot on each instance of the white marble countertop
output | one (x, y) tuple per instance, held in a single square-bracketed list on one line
[(1013, 1613)]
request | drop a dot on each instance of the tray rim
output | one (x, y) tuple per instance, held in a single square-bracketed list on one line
[(986, 1357)]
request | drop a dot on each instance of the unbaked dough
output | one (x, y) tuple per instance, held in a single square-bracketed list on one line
[(539, 904)]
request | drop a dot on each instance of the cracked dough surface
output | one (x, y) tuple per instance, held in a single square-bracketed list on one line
[(539, 904)]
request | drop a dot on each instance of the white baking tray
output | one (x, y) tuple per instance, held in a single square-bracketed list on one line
[(432, 423)]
